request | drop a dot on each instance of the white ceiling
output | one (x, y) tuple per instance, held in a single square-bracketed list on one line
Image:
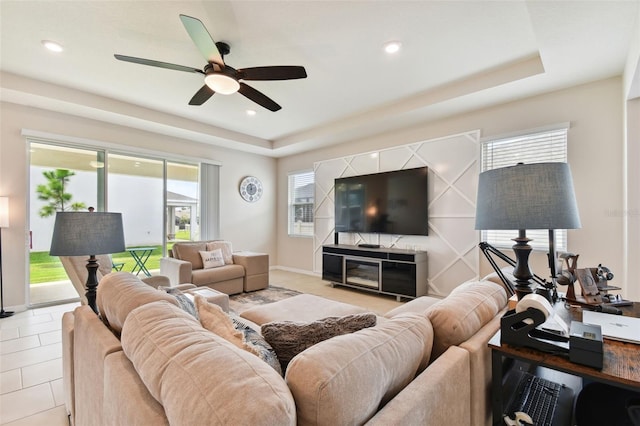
[(456, 56)]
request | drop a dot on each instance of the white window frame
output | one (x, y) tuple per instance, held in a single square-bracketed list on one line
[(297, 227), (535, 146)]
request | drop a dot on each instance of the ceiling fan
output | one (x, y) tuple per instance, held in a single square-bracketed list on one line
[(220, 77)]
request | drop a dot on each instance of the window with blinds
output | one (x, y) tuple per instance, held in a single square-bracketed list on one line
[(539, 147), (301, 203)]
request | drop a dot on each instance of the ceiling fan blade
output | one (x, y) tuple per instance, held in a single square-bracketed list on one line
[(258, 97), (158, 64), (286, 72), (202, 95), (202, 39)]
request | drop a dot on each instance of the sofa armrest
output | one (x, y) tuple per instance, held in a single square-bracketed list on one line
[(178, 271), (480, 361), (156, 281), (438, 396)]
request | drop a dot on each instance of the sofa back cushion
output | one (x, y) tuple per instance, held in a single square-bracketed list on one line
[(465, 311), (199, 377), (121, 292), (190, 252), (225, 247), (346, 379)]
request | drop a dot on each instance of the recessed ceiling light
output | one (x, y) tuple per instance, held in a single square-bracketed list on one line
[(251, 112), (392, 47), (52, 46)]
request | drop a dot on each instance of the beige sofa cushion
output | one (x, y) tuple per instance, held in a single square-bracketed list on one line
[(344, 380), (461, 314), (199, 376), (303, 307), (202, 277), (190, 252), (235, 331), (121, 292), (418, 305), (225, 247)]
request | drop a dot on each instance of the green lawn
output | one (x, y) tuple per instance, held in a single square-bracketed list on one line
[(45, 268)]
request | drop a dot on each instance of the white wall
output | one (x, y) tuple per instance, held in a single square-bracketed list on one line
[(595, 154), (247, 226), (452, 243)]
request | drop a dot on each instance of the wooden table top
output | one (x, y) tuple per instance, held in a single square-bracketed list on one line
[(621, 361)]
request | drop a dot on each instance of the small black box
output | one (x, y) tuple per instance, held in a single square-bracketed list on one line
[(585, 344)]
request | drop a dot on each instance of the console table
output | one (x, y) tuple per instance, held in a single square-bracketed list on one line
[(397, 272), (621, 361)]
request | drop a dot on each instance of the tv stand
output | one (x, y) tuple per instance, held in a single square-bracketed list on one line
[(397, 272)]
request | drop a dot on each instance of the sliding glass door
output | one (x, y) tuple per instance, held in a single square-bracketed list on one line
[(135, 188), (183, 218), (159, 201), (61, 178)]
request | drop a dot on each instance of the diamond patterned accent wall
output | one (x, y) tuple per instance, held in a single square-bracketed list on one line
[(452, 244)]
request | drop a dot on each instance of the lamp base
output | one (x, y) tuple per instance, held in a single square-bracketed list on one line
[(521, 271), (5, 314), (92, 282), (523, 288)]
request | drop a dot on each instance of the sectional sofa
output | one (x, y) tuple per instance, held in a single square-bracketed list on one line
[(146, 361)]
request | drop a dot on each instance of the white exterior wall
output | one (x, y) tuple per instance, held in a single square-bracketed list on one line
[(141, 215)]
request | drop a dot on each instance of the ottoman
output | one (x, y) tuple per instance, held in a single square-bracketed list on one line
[(256, 269), (301, 308), (212, 296)]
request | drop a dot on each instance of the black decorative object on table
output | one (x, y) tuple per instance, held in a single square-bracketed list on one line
[(88, 233)]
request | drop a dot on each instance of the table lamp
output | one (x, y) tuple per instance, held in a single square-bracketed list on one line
[(88, 233), (4, 223), (527, 196)]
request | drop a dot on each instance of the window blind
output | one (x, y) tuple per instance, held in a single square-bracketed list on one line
[(301, 203), (538, 147)]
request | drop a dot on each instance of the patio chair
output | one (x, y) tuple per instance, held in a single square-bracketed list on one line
[(76, 269)]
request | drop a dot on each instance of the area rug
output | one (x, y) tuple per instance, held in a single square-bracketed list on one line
[(243, 301)]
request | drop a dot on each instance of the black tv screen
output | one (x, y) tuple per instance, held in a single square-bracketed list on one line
[(383, 203)]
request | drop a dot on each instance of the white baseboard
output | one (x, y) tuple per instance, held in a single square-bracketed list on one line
[(16, 309), (298, 271)]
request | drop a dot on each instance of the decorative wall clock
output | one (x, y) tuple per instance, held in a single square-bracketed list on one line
[(251, 189)]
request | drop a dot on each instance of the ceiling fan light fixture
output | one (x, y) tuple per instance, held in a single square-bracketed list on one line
[(221, 83)]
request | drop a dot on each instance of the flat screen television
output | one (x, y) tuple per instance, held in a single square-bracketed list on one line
[(383, 203)]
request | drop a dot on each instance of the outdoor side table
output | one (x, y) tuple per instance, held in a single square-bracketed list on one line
[(140, 255)]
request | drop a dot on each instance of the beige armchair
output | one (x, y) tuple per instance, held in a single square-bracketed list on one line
[(76, 269)]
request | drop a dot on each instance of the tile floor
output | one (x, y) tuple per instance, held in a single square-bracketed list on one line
[(31, 351), (31, 367)]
